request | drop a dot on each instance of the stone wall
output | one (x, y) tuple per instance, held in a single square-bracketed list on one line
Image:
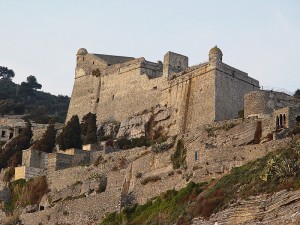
[(126, 87), (58, 161), (34, 158), (24, 172), (107, 96), (261, 103), (231, 85)]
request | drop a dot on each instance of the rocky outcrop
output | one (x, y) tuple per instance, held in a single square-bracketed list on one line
[(279, 208)]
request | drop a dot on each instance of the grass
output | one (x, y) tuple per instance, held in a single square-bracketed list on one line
[(276, 171), (26, 193), (164, 209)]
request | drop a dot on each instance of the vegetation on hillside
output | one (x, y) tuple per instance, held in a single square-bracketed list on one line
[(25, 193), (276, 171), (11, 153), (26, 99), (47, 142)]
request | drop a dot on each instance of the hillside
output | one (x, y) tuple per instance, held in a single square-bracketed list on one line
[(39, 105), (277, 171)]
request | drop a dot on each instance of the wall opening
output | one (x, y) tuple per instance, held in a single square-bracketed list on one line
[(298, 120), (82, 58), (196, 156), (113, 97), (281, 121), (11, 135), (3, 134), (97, 100), (179, 65), (93, 63)]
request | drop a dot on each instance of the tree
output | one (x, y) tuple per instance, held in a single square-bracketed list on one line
[(70, 137), (11, 154), (6, 73), (32, 82), (47, 142), (89, 128), (297, 93)]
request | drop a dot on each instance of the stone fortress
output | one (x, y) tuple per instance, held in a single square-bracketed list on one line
[(116, 87), (199, 105)]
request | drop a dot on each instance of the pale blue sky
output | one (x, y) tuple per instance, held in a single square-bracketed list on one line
[(42, 37)]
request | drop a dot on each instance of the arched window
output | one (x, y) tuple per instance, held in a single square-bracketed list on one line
[(277, 121), (280, 120), (284, 120)]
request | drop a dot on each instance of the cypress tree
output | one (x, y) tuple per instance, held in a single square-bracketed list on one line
[(47, 142), (89, 128), (70, 137)]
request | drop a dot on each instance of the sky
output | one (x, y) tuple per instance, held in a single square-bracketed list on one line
[(41, 38)]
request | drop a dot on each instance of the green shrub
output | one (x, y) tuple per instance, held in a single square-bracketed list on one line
[(26, 193), (8, 175), (178, 158)]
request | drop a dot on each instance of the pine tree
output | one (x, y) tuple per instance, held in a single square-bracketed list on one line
[(89, 128), (47, 142), (70, 137)]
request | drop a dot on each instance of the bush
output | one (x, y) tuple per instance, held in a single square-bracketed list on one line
[(178, 158), (124, 143), (8, 175), (27, 193), (150, 179)]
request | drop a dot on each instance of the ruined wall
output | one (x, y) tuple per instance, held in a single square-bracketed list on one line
[(24, 172), (261, 103), (34, 158), (231, 85), (58, 161)]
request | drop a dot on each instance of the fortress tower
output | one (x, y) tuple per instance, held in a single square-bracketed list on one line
[(118, 87)]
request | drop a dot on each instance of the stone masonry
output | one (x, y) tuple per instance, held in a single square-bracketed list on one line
[(116, 87)]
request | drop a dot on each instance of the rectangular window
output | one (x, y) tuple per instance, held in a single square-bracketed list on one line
[(3, 134), (196, 155)]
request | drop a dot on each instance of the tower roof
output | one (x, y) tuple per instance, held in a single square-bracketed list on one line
[(215, 50), (82, 51)]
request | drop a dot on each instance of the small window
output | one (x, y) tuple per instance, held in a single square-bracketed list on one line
[(3, 134), (93, 63), (155, 88), (196, 155), (113, 97), (11, 135), (179, 65), (82, 58)]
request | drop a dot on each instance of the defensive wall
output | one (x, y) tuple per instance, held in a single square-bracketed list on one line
[(116, 88), (281, 108)]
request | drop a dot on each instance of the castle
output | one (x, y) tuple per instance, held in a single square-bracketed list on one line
[(117, 87)]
